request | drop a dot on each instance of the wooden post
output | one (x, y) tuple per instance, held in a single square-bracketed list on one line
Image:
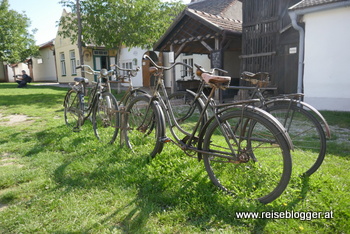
[(81, 56)]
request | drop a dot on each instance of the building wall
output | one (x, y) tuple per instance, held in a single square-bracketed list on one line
[(327, 59), (63, 47), (17, 71), (199, 59), (2, 72), (133, 57), (44, 68)]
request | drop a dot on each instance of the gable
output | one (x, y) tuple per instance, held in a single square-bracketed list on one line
[(192, 27)]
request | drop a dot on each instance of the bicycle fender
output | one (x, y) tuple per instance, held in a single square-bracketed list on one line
[(65, 98), (162, 124), (312, 109), (201, 137), (129, 94), (279, 125), (251, 108)]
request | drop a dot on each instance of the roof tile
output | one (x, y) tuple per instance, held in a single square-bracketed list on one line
[(312, 3), (219, 21)]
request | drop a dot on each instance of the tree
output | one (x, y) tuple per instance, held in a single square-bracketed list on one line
[(16, 43), (112, 23)]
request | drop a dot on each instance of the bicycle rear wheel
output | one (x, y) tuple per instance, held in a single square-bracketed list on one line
[(105, 118), (145, 126), (73, 113), (307, 134), (262, 167)]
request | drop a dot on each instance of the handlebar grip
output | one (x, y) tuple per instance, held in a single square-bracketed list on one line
[(78, 67), (198, 66), (220, 70)]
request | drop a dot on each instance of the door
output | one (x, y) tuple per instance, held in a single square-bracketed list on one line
[(100, 62)]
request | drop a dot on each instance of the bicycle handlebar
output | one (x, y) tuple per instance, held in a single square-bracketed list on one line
[(132, 72), (166, 68), (201, 69), (104, 72), (92, 71)]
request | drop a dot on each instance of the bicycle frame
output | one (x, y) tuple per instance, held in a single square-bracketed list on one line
[(81, 88), (186, 144), (290, 99)]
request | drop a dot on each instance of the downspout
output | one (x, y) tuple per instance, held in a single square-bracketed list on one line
[(297, 27)]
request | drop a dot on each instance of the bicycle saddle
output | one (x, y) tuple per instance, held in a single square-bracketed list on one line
[(216, 80), (254, 75), (81, 80)]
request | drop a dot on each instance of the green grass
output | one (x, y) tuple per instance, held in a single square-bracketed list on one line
[(55, 180)]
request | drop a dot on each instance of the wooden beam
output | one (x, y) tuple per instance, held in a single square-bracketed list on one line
[(207, 46), (173, 80), (258, 55), (217, 43), (178, 52)]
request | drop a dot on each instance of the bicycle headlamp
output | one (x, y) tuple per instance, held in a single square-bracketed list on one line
[(104, 72)]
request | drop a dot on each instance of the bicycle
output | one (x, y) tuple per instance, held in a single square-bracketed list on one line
[(309, 141), (130, 93), (100, 105), (245, 150), (302, 121)]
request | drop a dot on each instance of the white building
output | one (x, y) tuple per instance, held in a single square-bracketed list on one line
[(44, 66), (326, 74)]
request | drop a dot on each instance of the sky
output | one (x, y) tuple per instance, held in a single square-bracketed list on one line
[(44, 15)]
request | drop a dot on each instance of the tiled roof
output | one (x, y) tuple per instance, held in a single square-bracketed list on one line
[(219, 21), (215, 7), (47, 44), (312, 3)]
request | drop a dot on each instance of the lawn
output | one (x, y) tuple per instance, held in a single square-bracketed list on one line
[(56, 180)]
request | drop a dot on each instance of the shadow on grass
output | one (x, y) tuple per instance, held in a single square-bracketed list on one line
[(49, 140), (193, 199)]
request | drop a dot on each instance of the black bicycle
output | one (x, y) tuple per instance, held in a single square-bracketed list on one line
[(245, 150), (94, 100), (305, 125)]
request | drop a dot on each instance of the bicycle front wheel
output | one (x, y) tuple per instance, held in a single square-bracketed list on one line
[(247, 155), (105, 118), (144, 126), (73, 113), (307, 134)]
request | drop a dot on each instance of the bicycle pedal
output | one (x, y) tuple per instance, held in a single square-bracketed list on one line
[(165, 139)]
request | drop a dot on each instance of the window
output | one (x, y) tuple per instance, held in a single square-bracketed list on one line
[(185, 72), (127, 65), (63, 64), (100, 53), (73, 62)]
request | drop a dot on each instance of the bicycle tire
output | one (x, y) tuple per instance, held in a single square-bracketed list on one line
[(73, 113), (105, 118), (307, 134), (186, 111), (263, 166), (132, 94), (145, 126)]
